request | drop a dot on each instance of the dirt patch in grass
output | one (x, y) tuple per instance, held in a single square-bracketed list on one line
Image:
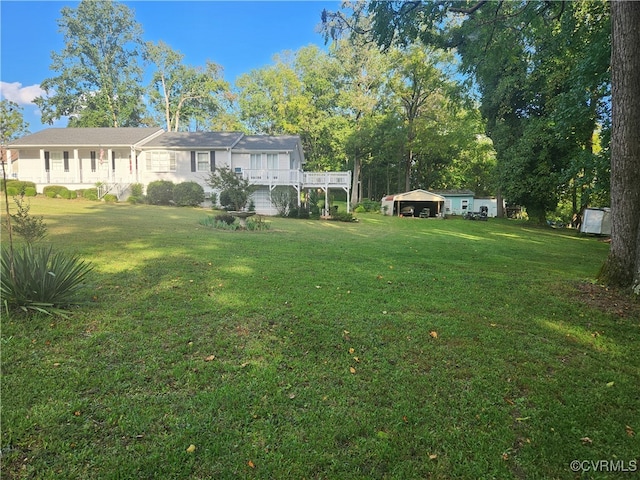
[(609, 300)]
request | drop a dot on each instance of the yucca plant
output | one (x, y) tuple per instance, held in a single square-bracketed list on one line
[(39, 279)]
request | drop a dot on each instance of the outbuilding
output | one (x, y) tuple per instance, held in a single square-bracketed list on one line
[(416, 203), (597, 221)]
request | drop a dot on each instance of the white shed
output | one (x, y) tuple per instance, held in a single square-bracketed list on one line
[(417, 203), (596, 220)]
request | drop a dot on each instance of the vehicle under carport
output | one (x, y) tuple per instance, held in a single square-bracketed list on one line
[(416, 203)]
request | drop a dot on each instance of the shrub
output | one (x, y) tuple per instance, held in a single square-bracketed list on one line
[(188, 194), (226, 218), (19, 185), (215, 222), (54, 191), (160, 192), (12, 191), (30, 192), (137, 190), (283, 198), (42, 280), (90, 194), (110, 198), (134, 199), (342, 217), (257, 223), (24, 224), (235, 190), (368, 206)]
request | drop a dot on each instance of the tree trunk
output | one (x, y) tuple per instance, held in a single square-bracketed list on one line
[(355, 181), (622, 267)]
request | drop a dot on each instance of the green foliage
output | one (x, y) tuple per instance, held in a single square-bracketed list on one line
[(31, 228), (96, 82), (160, 192), (38, 279), (90, 193), (55, 191), (257, 223), (12, 191), (284, 199), (12, 124), (133, 199), (368, 206), (188, 194), (110, 198), (180, 93), (30, 192), (19, 185), (137, 189), (225, 218), (342, 217), (234, 190)]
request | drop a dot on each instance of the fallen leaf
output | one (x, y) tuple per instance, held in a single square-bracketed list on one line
[(351, 351), (629, 430), (433, 456), (57, 364), (586, 441), (77, 413), (610, 384), (191, 448), (251, 464), (209, 358), (505, 456), (433, 334), (357, 359), (509, 401), (493, 324), (522, 419), (352, 370)]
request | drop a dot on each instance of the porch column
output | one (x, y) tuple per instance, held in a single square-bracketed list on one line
[(43, 169), (78, 166)]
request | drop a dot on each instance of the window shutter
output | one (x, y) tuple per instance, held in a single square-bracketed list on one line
[(212, 160), (193, 161), (113, 160), (65, 156), (93, 161), (46, 161)]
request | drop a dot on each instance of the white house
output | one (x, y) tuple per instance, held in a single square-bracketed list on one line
[(118, 157)]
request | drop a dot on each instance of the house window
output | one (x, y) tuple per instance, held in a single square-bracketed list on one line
[(56, 162), (93, 161), (161, 161), (272, 161), (256, 161), (203, 162), (465, 204)]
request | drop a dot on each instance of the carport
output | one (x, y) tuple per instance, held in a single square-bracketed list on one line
[(417, 203)]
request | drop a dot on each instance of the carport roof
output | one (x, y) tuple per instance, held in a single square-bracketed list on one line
[(415, 196)]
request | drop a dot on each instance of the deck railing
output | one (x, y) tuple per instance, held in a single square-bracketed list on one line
[(298, 177)]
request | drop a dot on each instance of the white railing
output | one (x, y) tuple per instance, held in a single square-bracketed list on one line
[(297, 177), (331, 179), (273, 177)]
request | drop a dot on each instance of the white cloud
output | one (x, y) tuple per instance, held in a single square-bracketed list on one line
[(15, 92)]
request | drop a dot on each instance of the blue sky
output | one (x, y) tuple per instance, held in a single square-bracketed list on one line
[(238, 35)]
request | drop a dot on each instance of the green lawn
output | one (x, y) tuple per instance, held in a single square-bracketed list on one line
[(389, 348)]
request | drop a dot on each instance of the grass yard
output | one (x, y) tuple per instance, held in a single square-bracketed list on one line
[(386, 349)]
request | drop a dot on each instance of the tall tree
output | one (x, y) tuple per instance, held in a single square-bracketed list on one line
[(12, 124), (98, 72), (622, 267), (427, 21), (182, 95)]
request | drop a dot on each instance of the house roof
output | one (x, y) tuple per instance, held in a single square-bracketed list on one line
[(269, 142), (78, 137), (416, 196), (194, 140)]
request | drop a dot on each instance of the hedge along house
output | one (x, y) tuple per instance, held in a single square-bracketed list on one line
[(419, 203), (116, 158)]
